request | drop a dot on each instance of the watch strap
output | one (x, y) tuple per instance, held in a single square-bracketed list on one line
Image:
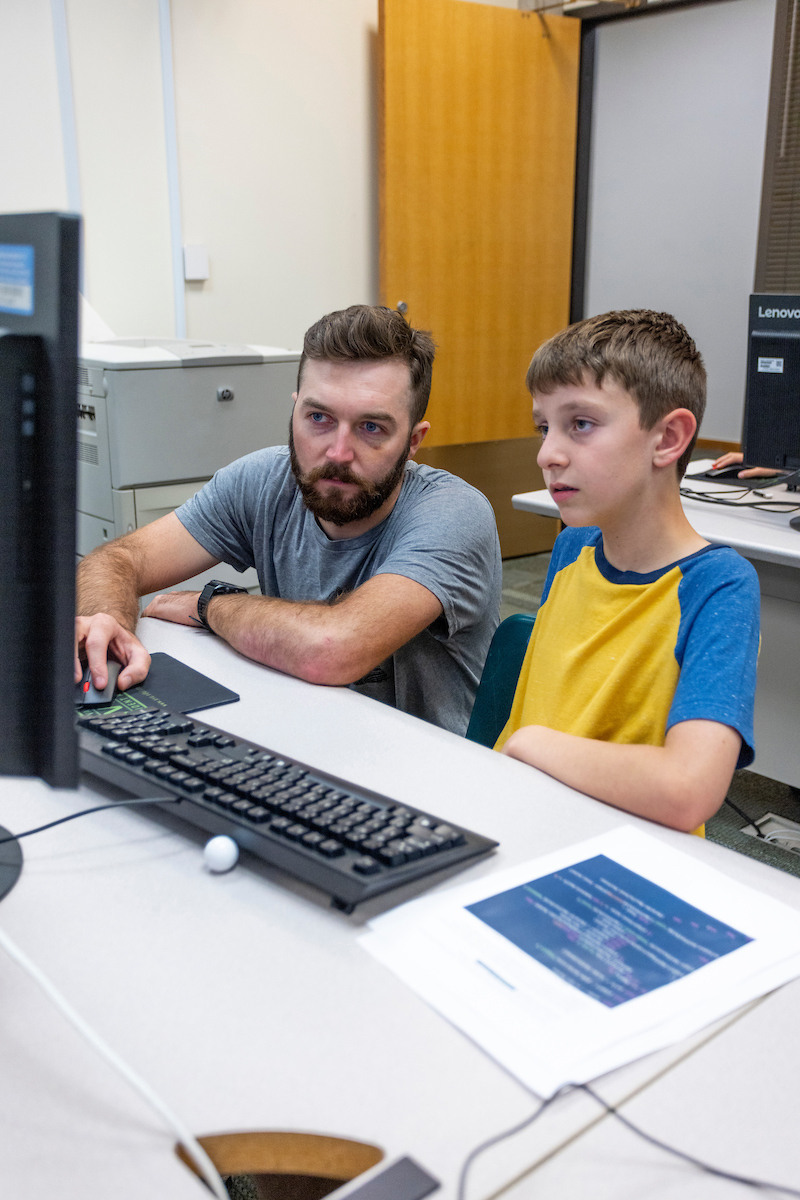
[(214, 587)]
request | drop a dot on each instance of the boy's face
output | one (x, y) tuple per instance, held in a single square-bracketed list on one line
[(596, 459)]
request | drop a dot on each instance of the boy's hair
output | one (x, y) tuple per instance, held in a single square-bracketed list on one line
[(364, 333), (649, 354)]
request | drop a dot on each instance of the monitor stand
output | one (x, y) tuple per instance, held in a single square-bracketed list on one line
[(10, 862)]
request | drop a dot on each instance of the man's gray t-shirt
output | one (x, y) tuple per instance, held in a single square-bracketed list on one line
[(440, 533)]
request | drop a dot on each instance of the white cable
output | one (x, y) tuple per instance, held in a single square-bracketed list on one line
[(190, 1143)]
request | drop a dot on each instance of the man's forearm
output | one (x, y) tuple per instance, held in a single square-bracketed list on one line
[(107, 582), (311, 641)]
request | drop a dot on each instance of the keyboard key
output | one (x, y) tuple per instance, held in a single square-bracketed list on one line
[(213, 793), (257, 814), (279, 824), (163, 750), (292, 805), (392, 854), (192, 785), (177, 726), (136, 758), (224, 741), (295, 832), (358, 833), (374, 843), (123, 752), (227, 800), (178, 776), (165, 771), (185, 762), (313, 839), (152, 765), (366, 866), (198, 739), (241, 806), (330, 848)]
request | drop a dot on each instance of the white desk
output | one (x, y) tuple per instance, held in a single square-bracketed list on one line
[(244, 999), (725, 1104), (773, 548)]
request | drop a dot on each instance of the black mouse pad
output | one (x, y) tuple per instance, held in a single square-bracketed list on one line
[(171, 684)]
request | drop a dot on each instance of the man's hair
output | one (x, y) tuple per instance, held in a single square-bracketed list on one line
[(363, 333), (649, 354)]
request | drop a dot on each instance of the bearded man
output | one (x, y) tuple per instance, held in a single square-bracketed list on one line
[(376, 572)]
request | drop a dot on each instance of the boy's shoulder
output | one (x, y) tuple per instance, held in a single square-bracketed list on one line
[(719, 566)]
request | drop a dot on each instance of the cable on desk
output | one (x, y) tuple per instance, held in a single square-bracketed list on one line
[(761, 1184), (776, 506), (85, 812), (208, 1172)]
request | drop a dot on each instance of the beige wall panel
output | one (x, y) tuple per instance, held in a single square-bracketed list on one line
[(277, 146), (116, 77), (477, 165), (32, 176)]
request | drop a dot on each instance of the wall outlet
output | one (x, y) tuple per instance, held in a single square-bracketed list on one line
[(778, 831)]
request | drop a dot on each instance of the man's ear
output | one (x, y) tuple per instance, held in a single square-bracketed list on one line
[(675, 431), (417, 434), (294, 397)]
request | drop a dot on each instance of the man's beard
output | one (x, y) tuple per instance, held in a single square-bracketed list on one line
[(340, 509)]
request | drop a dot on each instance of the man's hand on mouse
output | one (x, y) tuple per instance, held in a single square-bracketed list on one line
[(180, 607), (101, 636)]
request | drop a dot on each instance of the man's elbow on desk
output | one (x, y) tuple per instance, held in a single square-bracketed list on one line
[(308, 641)]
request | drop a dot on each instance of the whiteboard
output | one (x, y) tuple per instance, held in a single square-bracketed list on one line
[(678, 130)]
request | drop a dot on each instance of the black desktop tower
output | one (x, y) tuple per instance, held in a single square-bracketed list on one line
[(772, 401), (39, 255)]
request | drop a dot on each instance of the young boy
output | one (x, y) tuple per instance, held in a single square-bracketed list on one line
[(639, 680)]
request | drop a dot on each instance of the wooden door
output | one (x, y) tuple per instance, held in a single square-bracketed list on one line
[(478, 127)]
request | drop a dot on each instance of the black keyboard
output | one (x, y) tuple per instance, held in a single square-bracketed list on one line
[(348, 841)]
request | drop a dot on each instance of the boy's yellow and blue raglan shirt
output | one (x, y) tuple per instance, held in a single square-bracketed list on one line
[(622, 657)]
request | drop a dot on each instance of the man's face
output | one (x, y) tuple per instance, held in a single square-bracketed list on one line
[(350, 437), (596, 459)]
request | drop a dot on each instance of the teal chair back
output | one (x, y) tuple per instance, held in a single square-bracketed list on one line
[(498, 683)]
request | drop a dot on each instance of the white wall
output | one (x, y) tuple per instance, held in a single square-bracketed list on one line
[(278, 172), (680, 111), (278, 161), (277, 147), (32, 178), (119, 118)]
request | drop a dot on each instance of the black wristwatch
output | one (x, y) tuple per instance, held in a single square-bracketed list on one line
[(214, 587)]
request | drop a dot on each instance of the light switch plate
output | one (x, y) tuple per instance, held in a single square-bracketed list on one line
[(195, 263)]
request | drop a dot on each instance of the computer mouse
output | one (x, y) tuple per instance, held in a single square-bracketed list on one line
[(795, 523), (88, 696)]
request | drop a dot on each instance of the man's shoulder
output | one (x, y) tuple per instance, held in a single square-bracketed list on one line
[(263, 471), (432, 485), (431, 490)]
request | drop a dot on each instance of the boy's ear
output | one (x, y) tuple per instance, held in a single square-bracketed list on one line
[(675, 431)]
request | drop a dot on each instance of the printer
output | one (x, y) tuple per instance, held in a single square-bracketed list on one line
[(157, 417)]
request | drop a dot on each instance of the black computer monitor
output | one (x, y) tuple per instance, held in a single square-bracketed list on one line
[(772, 402), (39, 256)]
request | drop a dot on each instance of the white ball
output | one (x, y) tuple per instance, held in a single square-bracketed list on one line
[(221, 854)]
